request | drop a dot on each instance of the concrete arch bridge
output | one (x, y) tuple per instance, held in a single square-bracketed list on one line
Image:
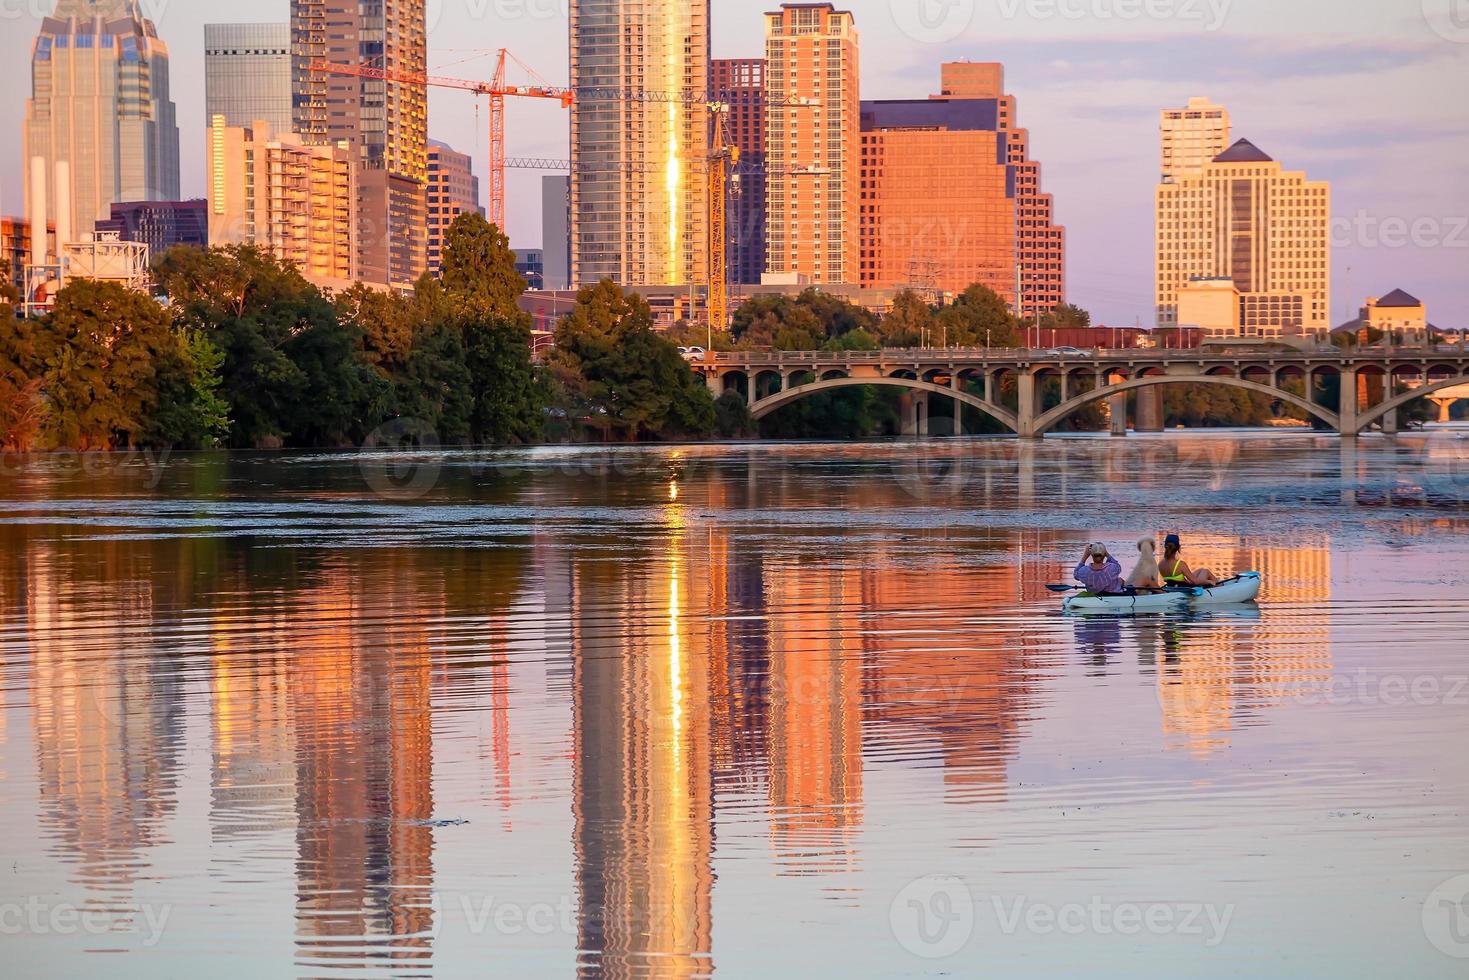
[(771, 380)]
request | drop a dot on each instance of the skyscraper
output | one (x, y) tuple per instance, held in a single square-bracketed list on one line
[(639, 141), (556, 231), (812, 144), (951, 197), (384, 122), (453, 189), (1193, 136), (247, 74), (1245, 218), (273, 190), (100, 104), (739, 83)]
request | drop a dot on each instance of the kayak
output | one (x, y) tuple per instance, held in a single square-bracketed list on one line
[(1244, 587), (1132, 602)]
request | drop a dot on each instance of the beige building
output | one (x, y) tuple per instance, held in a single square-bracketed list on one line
[(813, 145), (385, 122), (278, 192), (1210, 304), (639, 141), (1398, 318), (453, 189), (1193, 136), (1245, 218)]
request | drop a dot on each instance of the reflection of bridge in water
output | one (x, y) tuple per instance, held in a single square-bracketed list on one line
[(1006, 385)]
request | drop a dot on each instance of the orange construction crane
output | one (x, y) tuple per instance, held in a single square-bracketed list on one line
[(497, 90)]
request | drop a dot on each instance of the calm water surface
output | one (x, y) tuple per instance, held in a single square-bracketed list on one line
[(736, 711)]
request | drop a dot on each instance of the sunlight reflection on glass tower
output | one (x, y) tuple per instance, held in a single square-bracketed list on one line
[(643, 789), (638, 130)]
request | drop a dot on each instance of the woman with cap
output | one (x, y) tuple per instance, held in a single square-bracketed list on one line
[(1100, 572), (1176, 570)]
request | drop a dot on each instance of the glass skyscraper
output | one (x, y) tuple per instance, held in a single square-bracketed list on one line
[(100, 104), (247, 74)]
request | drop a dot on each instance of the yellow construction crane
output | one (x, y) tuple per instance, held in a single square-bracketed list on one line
[(723, 157)]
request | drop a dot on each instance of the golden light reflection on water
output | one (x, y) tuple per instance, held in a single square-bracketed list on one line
[(711, 666)]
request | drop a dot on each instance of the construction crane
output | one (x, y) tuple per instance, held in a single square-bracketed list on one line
[(497, 90), (724, 155)]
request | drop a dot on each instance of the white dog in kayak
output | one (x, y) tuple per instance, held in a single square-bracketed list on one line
[(1146, 574)]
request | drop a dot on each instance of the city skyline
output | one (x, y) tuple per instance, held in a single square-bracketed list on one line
[(1092, 90)]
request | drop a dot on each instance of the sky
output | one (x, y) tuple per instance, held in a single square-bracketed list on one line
[(1367, 94)]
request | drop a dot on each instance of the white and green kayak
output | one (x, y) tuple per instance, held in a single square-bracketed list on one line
[(1241, 589)]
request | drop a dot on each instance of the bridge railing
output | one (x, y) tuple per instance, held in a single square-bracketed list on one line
[(1009, 355)]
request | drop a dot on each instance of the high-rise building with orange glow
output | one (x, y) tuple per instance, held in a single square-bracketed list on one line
[(812, 145), (739, 83), (951, 197), (453, 189), (385, 122), (639, 141)]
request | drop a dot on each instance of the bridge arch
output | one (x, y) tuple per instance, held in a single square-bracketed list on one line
[(1379, 412), (766, 406), (1051, 419)]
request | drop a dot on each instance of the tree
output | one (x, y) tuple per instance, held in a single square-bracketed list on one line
[(22, 410), (978, 317), (609, 360), (482, 289), (732, 416), (99, 352), (1067, 317), (810, 321), (190, 414), (909, 322)]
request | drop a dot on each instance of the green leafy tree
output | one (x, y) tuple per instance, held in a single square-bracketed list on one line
[(1066, 317), (909, 322), (190, 413), (978, 316), (482, 288), (732, 417), (99, 351), (612, 366), (22, 410)]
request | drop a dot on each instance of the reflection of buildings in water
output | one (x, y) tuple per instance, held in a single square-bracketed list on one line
[(253, 781), (1219, 666), (359, 683), (941, 674), (739, 660), (106, 717), (815, 721), (643, 789)]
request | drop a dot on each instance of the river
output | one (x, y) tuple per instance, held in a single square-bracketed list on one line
[(780, 710)]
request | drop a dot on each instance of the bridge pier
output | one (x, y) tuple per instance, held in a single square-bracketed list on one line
[(1150, 410), (1118, 406), (1026, 408), (1349, 403)]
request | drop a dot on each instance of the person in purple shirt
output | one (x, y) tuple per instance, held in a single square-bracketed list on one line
[(1100, 572)]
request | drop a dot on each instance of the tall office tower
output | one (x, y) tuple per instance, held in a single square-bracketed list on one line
[(453, 189), (276, 191), (384, 122), (99, 104), (160, 225), (1040, 243), (1193, 136), (247, 74), (739, 83), (1245, 218), (556, 232), (938, 197), (813, 151), (639, 141)]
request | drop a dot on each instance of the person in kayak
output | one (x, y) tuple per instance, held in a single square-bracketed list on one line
[(1100, 572), (1176, 570)]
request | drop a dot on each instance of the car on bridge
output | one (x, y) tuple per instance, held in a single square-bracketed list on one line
[(692, 353), (1068, 352)]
